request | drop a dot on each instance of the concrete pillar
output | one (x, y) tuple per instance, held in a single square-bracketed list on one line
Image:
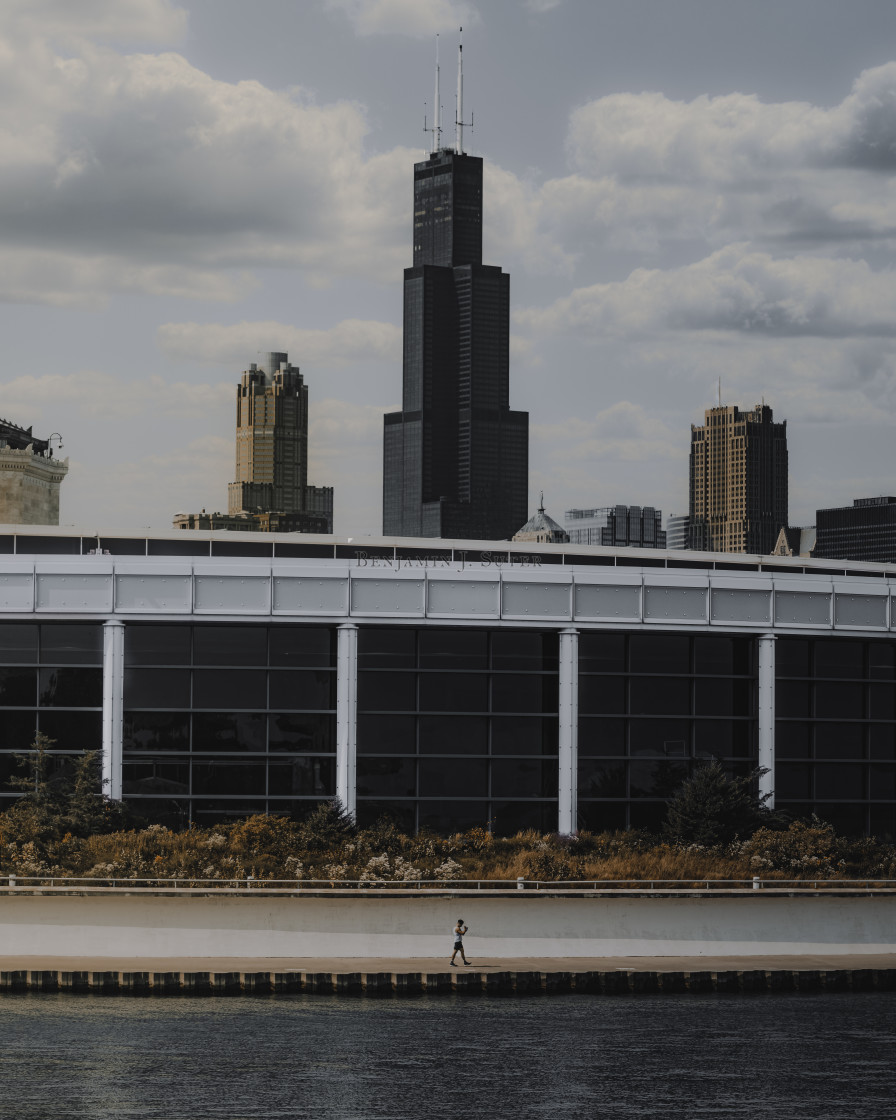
[(767, 716), (568, 758), (113, 707), (347, 715)]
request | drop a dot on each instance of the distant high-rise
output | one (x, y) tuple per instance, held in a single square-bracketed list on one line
[(677, 530), (626, 526), (29, 478), (866, 530), (455, 458), (738, 480)]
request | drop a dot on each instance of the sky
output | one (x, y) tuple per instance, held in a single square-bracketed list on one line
[(691, 197)]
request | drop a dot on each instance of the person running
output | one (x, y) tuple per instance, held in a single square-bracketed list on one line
[(459, 930)]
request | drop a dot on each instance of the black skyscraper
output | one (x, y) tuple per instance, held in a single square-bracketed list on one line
[(456, 457)]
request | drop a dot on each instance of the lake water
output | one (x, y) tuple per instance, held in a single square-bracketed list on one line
[(825, 1057)]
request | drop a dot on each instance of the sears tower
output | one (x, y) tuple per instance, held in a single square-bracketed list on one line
[(455, 458)]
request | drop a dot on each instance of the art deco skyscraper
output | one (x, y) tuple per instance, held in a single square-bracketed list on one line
[(738, 480), (455, 458)]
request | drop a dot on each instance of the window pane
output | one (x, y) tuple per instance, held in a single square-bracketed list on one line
[(713, 738), (71, 688), (156, 645), (71, 645), (305, 776), (602, 695), (387, 777), (883, 822), (402, 813), (659, 653), (229, 688), (230, 645), (792, 740), (656, 779), (73, 731), (303, 690), (446, 777), (834, 700), (601, 779), (602, 817), (17, 730), (511, 817), (154, 778), (228, 731), (525, 650), (792, 781), (601, 738), (453, 692), (18, 643), (453, 649), (387, 734), (840, 783), (659, 738), (157, 688), (601, 653), (882, 701), (387, 692), (791, 657), (839, 740), (524, 735), (453, 816), (18, 688), (245, 778), (718, 654), (834, 658), (882, 661), (524, 777), (659, 696), (883, 783), (792, 699), (156, 731), (315, 734), (311, 646), (453, 735), (387, 649), (524, 693), (882, 741), (721, 697)]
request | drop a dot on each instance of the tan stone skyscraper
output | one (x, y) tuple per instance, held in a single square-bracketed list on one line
[(29, 478), (738, 480)]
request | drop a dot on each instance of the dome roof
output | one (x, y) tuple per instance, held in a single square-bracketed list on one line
[(541, 522)]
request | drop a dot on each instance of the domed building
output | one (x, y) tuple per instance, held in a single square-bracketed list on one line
[(542, 529)]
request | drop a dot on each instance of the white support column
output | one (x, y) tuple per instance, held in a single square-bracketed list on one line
[(113, 707), (347, 715), (767, 716), (568, 759)]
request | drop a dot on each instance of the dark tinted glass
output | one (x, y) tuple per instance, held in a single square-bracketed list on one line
[(595, 816), (387, 649), (718, 654), (601, 779), (18, 643), (186, 547), (882, 701), (156, 731), (18, 688), (602, 695), (305, 776), (791, 657), (448, 777), (303, 689), (157, 645), (840, 782), (601, 738), (835, 700), (157, 688), (229, 688), (713, 738), (883, 822), (659, 696), (882, 741), (403, 814), (71, 688), (44, 546), (228, 731), (882, 661), (524, 693), (17, 730), (229, 777), (230, 645), (835, 658), (148, 777), (524, 777), (792, 699), (882, 783), (511, 817), (387, 734), (525, 650), (839, 740), (453, 735), (792, 781), (311, 646), (601, 652), (387, 692), (792, 740), (524, 735), (453, 649), (721, 697), (659, 653), (387, 777), (295, 732), (656, 779), (71, 645), (453, 816), (73, 731), (453, 692), (660, 738), (123, 546)]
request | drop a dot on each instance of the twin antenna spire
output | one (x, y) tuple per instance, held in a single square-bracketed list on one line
[(459, 122)]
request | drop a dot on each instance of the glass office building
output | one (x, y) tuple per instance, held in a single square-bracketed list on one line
[(554, 687)]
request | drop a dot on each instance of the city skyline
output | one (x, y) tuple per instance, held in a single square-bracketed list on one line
[(681, 192)]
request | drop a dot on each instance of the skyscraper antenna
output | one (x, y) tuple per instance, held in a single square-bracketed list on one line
[(436, 129), (459, 121)]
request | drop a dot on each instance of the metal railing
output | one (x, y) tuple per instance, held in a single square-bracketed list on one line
[(297, 886)]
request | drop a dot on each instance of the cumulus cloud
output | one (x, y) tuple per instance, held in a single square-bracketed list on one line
[(131, 21), (415, 18), (226, 344)]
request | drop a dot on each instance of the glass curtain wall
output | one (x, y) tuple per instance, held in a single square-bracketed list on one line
[(835, 737), (51, 680), (650, 707), (458, 728), (222, 721)]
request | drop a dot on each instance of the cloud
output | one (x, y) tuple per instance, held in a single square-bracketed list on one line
[(131, 21), (223, 344), (415, 18)]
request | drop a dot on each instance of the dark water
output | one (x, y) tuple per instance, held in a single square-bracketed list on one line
[(815, 1057)]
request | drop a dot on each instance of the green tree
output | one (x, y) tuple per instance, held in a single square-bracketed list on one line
[(711, 809), (327, 826)]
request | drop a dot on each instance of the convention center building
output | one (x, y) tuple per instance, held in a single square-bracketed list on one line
[(447, 683)]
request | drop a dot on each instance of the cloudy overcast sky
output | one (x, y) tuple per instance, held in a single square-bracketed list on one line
[(681, 191)]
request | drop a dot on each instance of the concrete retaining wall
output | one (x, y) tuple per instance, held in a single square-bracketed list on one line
[(508, 924)]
